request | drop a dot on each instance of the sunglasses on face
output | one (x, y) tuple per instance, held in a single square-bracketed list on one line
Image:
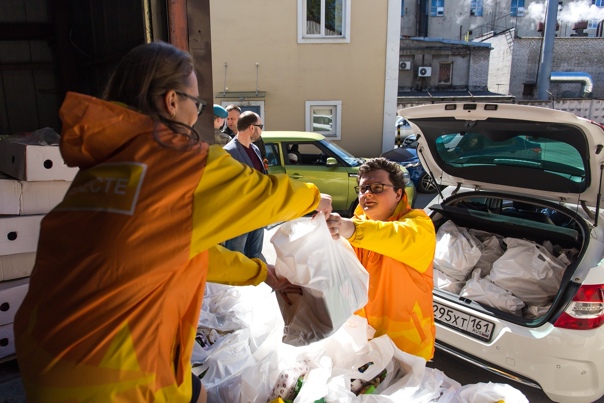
[(260, 126), (199, 103), (374, 188)]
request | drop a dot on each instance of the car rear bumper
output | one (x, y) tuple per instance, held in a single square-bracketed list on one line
[(567, 365)]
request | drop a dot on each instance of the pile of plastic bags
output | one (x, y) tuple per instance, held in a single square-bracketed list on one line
[(247, 361), (246, 352)]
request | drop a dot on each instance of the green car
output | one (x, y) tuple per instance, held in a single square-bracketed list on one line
[(310, 157)]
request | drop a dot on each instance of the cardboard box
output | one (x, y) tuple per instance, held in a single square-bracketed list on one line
[(28, 162), (7, 340), (26, 198), (12, 294), (19, 234), (10, 195), (41, 197), (16, 266)]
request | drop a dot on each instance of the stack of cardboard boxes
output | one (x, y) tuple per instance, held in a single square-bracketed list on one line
[(33, 180)]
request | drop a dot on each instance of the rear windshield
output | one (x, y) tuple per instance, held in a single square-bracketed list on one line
[(476, 150)]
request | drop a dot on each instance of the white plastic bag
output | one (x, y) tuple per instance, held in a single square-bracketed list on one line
[(457, 251), (528, 271), (485, 291), (334, 282), (491, 252), (241, 361), (446, 283), (488, 393)]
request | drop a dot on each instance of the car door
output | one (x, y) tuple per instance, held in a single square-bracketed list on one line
[(273, 156), (311, 166)]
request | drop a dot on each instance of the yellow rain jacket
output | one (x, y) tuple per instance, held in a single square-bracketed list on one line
[(115, 294), (398, 255)]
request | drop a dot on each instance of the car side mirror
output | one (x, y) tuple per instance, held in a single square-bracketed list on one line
[(331, 162)]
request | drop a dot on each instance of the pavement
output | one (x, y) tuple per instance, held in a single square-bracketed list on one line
[(11, 387)]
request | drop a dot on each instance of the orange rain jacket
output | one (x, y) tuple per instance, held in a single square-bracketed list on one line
[(398, 255), (115, 295)]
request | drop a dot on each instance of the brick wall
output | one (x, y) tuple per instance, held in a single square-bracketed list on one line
[(577, 54)]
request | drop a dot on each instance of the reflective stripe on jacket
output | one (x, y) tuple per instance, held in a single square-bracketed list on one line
[(398, 255), (115, 295)]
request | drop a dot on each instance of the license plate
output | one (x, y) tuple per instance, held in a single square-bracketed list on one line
[(476, 327)]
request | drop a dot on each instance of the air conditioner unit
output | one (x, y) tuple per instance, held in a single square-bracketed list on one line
[(404, 66), (520, 12), (440, 11), (424, 71)]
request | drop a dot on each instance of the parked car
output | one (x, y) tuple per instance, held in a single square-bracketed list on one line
[(519, 269), (408, 158), (410, 141), (310, 157)]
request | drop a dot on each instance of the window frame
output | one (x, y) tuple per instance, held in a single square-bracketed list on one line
[(336, 133), (303, 37), (434, 5), (514, 6), (476, 8), (593, 24), (244, 104), (440, 66)]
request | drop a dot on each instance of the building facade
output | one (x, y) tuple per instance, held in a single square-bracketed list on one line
[(466, 20), (300, 64)]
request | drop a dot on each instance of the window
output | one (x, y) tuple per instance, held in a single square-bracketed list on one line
[(306, 154), (437, 8), (528, 89), (324, 117), (517, 8), (444, 73), (272, 154), (594, 23), (402, 8), (322, 21), (254, 106), (476, 8)]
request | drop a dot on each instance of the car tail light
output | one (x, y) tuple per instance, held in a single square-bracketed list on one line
[(537, 150), (586, 311)]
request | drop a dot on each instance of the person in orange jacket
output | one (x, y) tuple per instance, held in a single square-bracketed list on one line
[(396, 245), (115, 295)]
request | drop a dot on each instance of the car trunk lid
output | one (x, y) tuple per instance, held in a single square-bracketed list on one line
[(512, 148)]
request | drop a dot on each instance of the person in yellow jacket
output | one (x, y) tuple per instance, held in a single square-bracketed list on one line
[(396, 245), (115, 295)]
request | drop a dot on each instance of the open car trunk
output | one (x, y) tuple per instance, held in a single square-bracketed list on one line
[(512, 258)]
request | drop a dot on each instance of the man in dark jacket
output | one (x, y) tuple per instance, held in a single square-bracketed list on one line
[(241, 148)]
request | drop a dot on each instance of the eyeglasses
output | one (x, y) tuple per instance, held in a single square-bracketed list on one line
[(199, 103), (374, 188), (260, 126)]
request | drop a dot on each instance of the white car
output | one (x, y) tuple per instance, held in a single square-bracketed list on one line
[(518, 268)]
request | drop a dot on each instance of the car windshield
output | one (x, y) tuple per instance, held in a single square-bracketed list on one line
[(343, 154), (476, 149)]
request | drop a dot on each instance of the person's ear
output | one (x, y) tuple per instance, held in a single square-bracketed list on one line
[(399, 194), (169, 103)]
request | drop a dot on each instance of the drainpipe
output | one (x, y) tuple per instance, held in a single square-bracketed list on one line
[(547, 53)]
